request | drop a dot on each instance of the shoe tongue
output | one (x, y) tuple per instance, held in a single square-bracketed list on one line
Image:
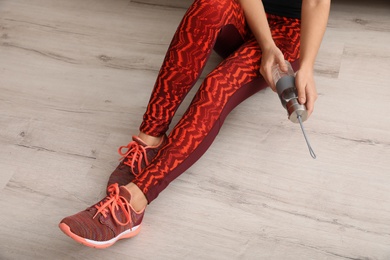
[(124, 192), (139, 141)]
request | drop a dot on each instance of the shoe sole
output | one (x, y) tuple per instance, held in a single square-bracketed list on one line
[(99, 244)]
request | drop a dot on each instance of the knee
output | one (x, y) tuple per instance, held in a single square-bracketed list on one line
[(210, 8)]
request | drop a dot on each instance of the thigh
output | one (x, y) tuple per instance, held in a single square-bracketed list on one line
[(238, 69), (286, 33)]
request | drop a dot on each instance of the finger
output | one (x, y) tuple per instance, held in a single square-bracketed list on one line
[(301, 89), (282, 63), (268, 77), (265, 71), (310, 106), (311, 98)]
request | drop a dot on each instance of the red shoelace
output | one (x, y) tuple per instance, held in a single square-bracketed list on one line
[(134, 154), (112, 203)]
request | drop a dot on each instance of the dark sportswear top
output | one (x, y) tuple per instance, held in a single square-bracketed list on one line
[(287, 8)]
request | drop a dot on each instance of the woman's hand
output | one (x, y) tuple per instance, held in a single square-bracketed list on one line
[(304, 78), (305, 84), (270, 57)]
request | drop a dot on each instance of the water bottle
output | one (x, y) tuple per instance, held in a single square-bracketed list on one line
[(288, 95)]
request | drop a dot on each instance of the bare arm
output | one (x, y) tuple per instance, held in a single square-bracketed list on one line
[(314, 19), (313, 24), (257, 21)]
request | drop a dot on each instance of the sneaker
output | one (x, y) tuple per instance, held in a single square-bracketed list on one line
[(134, 159), (104, 223)]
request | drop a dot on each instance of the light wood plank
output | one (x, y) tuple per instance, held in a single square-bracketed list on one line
[(75, 78)]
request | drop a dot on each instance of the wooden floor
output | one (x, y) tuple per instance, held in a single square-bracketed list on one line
[(75, 77)]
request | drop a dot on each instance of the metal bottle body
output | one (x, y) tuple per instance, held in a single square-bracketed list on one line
[(287, 91)]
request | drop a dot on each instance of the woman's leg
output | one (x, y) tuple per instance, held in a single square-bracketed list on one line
[(116, 216), (186, 57), (234, 80), (205, 23)]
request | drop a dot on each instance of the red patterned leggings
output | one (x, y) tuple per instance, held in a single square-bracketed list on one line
[(207, 25)]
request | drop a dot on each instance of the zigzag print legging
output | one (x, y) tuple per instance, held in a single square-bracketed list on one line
[(218, 24)]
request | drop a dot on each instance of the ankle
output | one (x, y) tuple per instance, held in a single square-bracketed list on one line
[(138, 199), (150, 140)]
